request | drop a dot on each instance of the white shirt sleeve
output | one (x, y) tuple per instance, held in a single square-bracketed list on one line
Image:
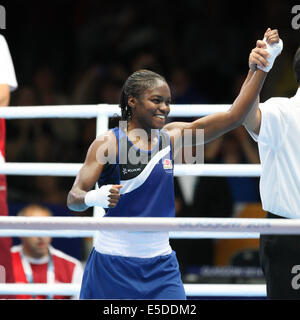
[(7, 71), (274, 122)]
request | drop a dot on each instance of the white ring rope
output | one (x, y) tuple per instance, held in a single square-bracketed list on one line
[(248, 225), (54, 112), (192, 290), (92, 111), (71, 169), (40, 169), (86, 234)]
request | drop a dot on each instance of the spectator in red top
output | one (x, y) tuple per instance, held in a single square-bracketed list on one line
[(36, 261)]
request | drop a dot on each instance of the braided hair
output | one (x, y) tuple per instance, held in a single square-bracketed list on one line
[(297, 65), (134, 86)]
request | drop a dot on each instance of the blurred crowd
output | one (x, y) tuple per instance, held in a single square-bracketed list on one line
[(81, 52)]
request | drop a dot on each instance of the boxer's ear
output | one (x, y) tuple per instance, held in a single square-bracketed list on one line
[(132, 102)]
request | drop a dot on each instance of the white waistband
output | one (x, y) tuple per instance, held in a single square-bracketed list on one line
[(133, 244)]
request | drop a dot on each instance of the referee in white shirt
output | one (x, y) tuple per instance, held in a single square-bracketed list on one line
[(275, 125)]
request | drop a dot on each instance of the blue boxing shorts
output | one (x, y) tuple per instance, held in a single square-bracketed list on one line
[(116, 277)]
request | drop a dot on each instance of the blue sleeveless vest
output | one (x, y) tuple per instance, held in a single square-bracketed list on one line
[(148, 186)]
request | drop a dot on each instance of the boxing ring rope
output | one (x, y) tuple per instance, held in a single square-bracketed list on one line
[(104, 110), (86, 226), (192, 290), (87, 234), (71, 169), (149, 224)]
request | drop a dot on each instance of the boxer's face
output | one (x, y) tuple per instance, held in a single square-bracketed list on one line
[(151, 109)]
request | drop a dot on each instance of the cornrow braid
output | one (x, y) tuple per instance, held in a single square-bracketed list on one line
[(134, 86)]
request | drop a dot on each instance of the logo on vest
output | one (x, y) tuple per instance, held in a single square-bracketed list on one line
[(167, 164), (130, 170)]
